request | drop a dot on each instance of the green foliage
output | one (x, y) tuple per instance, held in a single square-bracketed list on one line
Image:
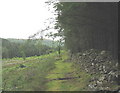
[(5, 52), (23, 55), (21, 48), (88, 25)]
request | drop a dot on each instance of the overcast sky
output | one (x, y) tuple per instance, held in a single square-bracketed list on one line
[(22, 18)]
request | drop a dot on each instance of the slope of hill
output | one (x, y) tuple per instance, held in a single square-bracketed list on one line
[(26, 47), (17, 40), (44, 41)]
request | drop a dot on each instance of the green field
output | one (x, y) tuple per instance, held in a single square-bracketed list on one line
[(43, 73)]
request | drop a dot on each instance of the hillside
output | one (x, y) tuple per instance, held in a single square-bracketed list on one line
[(21, 41), (17, 40), (44, 41), (23, 47)]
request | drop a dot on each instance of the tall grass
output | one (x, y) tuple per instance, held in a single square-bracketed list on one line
[(29, 78)]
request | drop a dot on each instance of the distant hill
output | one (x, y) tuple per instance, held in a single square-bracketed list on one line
[(44, 41), (5, 42), (29, 47), (17, 40)]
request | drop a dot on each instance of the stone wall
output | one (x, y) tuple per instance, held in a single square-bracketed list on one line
[(101, 66)]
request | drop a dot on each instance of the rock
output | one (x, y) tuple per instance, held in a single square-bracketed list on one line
[(103, 52), (22, 66), (102, 78), (84, 54), (103, 67), (92, 64), (99, 82)]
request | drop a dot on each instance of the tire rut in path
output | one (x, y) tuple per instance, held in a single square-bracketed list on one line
[(63, 73), (66, 78)]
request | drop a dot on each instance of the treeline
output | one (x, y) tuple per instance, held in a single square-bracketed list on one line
[(24, 49), (88, 25)]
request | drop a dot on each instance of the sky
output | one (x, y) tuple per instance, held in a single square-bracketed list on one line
[(22, 18)]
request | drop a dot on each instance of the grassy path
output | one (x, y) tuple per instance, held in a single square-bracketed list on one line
[(59, 72), (77, 80)]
